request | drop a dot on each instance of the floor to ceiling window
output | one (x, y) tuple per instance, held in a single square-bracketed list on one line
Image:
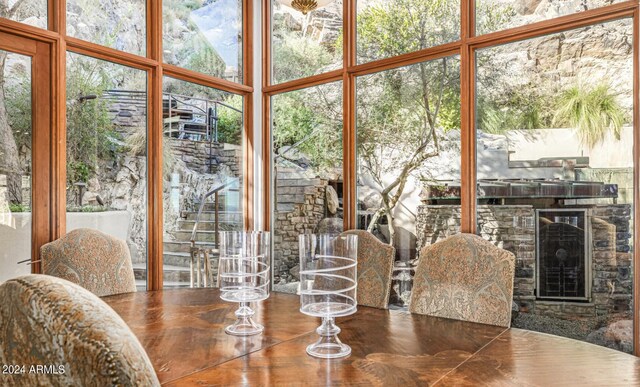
[(107, 153), (307, 173), (148, 114), (407, 146), (554, 135), (202, 175), (16, 193), (512, 120)]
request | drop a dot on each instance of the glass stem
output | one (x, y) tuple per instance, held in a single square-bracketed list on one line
[(244, 312), (328, 327)]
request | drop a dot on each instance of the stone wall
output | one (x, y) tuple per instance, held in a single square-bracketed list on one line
[(512, 227), (196, 156), (300, 204)]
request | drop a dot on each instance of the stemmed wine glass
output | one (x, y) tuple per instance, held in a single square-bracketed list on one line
[(328, 281), (244, 277)]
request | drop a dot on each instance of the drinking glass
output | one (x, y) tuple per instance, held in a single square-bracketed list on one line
[(328, 282), (244, 277)]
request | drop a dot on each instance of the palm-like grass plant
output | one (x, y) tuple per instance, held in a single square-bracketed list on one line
[(592, 112)]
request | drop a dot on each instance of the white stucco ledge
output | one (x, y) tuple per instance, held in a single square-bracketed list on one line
[(15, 235)]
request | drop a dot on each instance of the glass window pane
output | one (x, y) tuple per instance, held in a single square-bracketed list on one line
[(495, 15), (31, 12), (304, 45), (307, 171), (107, 153), (202, 163), (388, 28), (408, 154), (204, 36), (15, 165), (554, 136), (119, 25)]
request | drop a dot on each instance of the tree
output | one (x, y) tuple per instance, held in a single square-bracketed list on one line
[(308, 127), (400, 111), (230, 121), (399, 126), (90, 132), (9, 157)]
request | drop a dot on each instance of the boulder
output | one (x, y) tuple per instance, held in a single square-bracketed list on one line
[(330, 226), (617, 335), (369, 198), (331, 200), (526, 7), (295, 272)]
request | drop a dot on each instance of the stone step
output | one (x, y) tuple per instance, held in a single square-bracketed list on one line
[(226, 216), (205, 226), (228, 207), (184, 259), (176, 259), (170, 273), (201, 235), (183, 246)]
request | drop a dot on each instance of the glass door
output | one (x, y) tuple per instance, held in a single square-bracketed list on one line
[(25, 153)]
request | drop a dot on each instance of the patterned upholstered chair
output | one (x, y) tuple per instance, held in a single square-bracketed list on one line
[(375, 267), (464, 277), (92, 259), (52, 322)]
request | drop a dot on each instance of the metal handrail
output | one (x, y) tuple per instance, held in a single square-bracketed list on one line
[(195, 251), (215, 192)]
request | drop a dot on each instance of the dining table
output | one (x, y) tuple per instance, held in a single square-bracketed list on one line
[(182, 331)]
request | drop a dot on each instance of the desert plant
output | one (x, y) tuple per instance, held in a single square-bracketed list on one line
[(593, 112)]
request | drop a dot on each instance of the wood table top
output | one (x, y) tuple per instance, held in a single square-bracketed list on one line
[(182, 331)]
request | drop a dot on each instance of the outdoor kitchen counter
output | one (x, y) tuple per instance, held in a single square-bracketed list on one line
[(182, 330)]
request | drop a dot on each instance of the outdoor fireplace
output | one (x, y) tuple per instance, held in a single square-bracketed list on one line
[(562, 254)]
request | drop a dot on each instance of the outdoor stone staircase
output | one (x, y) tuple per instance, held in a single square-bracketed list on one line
[(176, 253)]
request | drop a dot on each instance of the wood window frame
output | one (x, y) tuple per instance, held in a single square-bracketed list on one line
[(50, 216), (466, 48), (44, 145)]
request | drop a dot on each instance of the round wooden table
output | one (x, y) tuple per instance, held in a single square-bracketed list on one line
[(182, 330)]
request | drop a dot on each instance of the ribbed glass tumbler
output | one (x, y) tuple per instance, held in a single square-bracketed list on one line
[(244, 275), (328, 281)]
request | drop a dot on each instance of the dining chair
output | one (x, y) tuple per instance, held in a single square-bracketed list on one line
[(375, 268), (92, 259), (66, 336), (464, 277)]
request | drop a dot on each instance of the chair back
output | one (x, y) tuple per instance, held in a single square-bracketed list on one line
[(50, 322), (375, 268), (464, 277), (92, 259)]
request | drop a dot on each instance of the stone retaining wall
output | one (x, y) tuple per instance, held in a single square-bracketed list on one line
[(299, 208), (506, 227), (195, 155)]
